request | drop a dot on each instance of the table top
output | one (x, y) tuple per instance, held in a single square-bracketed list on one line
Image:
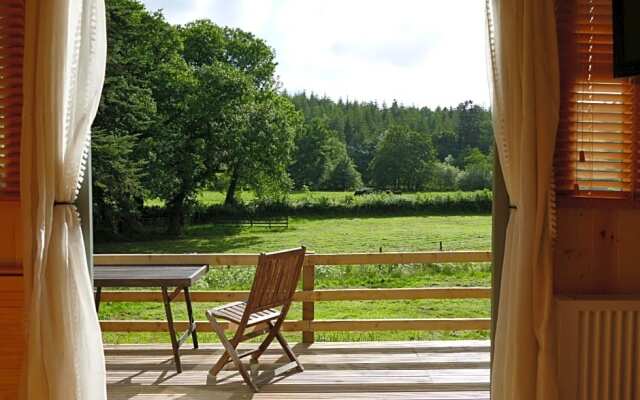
[(147, 275)]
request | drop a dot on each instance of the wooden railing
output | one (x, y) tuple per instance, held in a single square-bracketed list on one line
[(309, 295)]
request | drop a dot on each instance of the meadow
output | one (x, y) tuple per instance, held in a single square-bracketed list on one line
[(322, 234)]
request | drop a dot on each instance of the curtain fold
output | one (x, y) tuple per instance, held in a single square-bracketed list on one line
[(64, 66), (525, 107)]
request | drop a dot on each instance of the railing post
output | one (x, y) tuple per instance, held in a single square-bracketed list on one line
[(308, 307)]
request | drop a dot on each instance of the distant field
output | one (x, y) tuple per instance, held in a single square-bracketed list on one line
[(211, 197), (333, 235)]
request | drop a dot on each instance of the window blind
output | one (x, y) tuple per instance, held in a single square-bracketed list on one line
[(596, 140), (11, 52)]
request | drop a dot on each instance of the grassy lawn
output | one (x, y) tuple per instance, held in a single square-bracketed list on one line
[(332, 235), (324, 235)]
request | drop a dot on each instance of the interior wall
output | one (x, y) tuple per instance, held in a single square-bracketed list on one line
[(11, 345), (10, 237), (598, 250), (11, 300)]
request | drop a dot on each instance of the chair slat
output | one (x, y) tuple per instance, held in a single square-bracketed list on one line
[(276, 279)]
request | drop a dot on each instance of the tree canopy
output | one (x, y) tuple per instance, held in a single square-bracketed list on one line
[(404, 158), (181, 106)]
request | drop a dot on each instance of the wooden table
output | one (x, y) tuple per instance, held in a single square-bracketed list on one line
[(180, 277)]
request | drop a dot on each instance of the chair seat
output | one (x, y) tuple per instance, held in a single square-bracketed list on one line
[(233, 312)]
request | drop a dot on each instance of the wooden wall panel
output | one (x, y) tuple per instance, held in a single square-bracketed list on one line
[(11, 300), (12, 343), (598, 251), (10, 238)]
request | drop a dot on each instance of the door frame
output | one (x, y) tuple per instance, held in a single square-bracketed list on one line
[(500, 219)]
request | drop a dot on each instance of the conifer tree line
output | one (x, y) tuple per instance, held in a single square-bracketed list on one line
[(192, 107), (346, 144)]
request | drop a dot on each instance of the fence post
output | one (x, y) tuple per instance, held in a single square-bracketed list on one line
[(308, 307)]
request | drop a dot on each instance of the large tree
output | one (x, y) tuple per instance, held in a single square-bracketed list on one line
[(206, 43), (258, 152), (403, 160), (184, 146), (256, 136), (474, 131), (319, 150), (138, 43), (182, 105)]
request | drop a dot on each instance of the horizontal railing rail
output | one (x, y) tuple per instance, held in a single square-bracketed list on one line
[(309, 295), (315, 295), (239, 259)]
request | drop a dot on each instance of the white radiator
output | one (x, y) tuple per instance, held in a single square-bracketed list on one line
[(599, 347)]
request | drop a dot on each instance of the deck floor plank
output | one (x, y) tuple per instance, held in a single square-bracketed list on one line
[(455, 370)]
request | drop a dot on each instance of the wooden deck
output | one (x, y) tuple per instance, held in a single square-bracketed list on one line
[(443, 370)]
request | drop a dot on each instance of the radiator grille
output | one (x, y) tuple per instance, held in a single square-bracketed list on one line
[(599, 349)]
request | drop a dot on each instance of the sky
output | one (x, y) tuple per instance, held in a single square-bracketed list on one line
[(418, 52)]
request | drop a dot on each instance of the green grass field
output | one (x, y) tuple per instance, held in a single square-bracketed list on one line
[(333, 235), (324, 235)]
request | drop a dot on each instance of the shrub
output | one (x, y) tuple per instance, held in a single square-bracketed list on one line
[(444, 177), (344, 175), (477, 174), (372, 204), (476, 177)]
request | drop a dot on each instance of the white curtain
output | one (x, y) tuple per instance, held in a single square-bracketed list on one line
[(525, 108), (64, 62)]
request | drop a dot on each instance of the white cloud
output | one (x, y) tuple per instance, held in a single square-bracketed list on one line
[(422, 52)]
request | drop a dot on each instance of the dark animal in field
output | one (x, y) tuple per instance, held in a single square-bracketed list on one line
[(363, 191)]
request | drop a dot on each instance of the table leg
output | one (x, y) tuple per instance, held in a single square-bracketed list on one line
[(97, 298), (172, 330), (192, 325)]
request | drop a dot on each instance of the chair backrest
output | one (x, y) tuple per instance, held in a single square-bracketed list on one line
[(276, 279)]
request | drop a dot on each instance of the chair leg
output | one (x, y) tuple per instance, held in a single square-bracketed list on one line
[(222, 361), (230, 351), (288, 350), (265, 343), (274, 332)]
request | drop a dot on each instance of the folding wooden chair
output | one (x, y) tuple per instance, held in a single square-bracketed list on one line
[(273, 287)]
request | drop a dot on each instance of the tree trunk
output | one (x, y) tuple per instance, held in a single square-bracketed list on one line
[(176, 215), (230, 199)]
